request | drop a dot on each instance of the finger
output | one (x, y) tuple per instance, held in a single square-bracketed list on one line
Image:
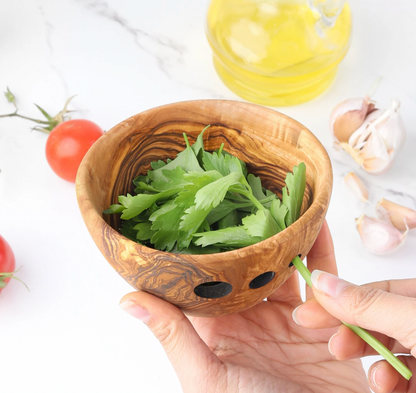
[(191, 358), (370, 308), (383, 378), (398, 287), (345, 345), (312, 315), (321, 256)]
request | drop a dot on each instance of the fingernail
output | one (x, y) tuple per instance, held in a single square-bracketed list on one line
[(328, 283), (373, 376), (294, 316), (135, 310), (329, 344)]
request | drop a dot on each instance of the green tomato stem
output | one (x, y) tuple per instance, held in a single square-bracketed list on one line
[(14, 114), (362, 333)]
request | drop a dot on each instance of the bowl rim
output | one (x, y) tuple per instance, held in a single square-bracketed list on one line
[(321, 198)]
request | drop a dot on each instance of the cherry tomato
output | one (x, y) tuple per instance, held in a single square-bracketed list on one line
[(7, 262), (67, 145)]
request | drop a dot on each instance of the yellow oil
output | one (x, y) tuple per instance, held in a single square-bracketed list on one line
[(277, 52)]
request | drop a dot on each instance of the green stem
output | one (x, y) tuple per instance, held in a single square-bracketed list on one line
[(362, 333), (268, 199), (14, 114), (220, 149), (252, 198), (186, 140)]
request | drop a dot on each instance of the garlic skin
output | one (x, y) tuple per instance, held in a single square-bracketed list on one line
[(403, 218), (355, 184), (379, 237), (348, 116), (376, 141)]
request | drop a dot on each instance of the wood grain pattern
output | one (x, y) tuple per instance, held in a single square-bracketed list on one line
[(268, 141)]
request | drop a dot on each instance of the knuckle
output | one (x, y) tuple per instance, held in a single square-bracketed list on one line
[(363, 300), (167, 334)]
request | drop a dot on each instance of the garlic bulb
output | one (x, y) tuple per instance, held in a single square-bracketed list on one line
[(379, 237), (374, 143), (403, 218), (355, 184)]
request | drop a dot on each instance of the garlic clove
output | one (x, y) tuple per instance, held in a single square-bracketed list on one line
[(374, 155), (403, 218), (348, 116), (355, 184), (361, 134), (379, 237), (391, 127)]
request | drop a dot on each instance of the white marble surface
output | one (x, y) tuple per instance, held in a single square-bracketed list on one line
[(121, 57)]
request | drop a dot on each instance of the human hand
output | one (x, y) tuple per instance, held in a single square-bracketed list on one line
[(259, 350), (387, 309)]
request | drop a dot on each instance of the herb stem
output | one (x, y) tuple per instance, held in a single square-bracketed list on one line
[(220, 149), (268, 199), (252, 198), (362, 333), (186, 140)]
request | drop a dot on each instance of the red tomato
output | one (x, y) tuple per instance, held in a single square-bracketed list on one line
[(67, 145), (7, 262)]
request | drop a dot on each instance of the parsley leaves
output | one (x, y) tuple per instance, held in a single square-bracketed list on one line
[(206, 202)]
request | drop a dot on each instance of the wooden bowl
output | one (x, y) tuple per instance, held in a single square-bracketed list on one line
[(214, 284)]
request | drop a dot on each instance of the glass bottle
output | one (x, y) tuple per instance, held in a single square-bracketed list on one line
[(278, 52)]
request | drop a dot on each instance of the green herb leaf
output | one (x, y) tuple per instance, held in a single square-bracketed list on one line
[(134, 205), (193, 219), (255, 184), (113, 209), (186, 159), (212, 194), (261, 224), (141, 179), (279, 212), (172, 178), (292, 194), (197, 181), (144, 231), (198, 146), (226, 207), (197, 250), (235, 237), (232, 219), (166, 228), (157, 164), (127, 230)]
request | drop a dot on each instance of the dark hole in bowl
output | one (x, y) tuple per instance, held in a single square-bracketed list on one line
[(213, 289), (291, 263), (261, 280)]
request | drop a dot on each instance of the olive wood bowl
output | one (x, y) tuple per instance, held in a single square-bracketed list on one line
[(215, 284)]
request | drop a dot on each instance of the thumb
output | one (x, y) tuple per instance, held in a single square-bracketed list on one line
[(368, 307), (191, 358)]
